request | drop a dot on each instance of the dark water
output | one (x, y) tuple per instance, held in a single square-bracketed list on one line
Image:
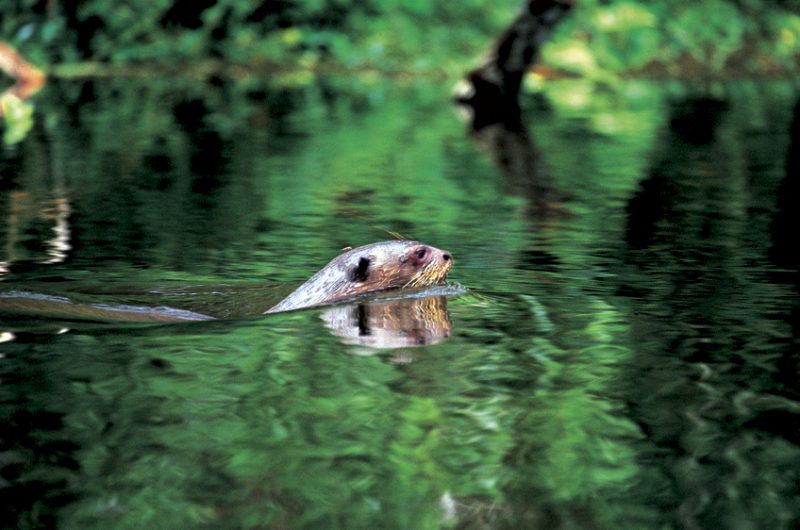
[(626, 356)]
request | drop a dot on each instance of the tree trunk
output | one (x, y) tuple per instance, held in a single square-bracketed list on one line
[(493, 88)]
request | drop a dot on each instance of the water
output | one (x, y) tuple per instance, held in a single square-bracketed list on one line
[(626, 356)]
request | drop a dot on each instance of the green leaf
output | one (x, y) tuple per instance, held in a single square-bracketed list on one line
[(18, 117)]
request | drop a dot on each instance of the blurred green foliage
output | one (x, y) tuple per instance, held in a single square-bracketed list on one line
[(17, 116), (600, 40), (599, 37), (353, 33), (678, 39)]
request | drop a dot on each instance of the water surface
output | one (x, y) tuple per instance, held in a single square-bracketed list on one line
[(626, 356)]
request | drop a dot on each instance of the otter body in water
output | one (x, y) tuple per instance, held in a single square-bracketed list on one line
[(361, 271), (369, 269)]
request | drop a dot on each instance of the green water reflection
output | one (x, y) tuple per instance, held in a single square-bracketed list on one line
[(625, 357)]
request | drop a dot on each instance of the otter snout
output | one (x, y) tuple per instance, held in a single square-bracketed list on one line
[(446, 255)]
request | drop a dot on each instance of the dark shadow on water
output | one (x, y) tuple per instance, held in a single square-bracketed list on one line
[(38, 464), (504, 137), (785, 252), (709, 382), (663, 195)]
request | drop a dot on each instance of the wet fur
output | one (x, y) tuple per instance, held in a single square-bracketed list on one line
[(368, 269)]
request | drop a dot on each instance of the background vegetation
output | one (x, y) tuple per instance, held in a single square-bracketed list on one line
[(599, 38)]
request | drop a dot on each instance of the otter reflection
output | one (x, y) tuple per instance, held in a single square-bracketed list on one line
[(391, 323)]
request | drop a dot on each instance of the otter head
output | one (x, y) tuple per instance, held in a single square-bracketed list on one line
[(395, 264), (368, 269)]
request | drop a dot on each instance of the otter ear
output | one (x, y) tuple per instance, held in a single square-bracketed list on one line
[(360, 272)]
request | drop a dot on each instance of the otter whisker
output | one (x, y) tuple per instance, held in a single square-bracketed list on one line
[(428, 276)]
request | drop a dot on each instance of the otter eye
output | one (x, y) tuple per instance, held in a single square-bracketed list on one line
[(360, 272), (421, 252)]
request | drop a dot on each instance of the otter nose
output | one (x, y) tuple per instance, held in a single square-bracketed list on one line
[(446, 256)]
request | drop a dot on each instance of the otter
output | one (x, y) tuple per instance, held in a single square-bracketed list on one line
[(366, 270), (370, 269)]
